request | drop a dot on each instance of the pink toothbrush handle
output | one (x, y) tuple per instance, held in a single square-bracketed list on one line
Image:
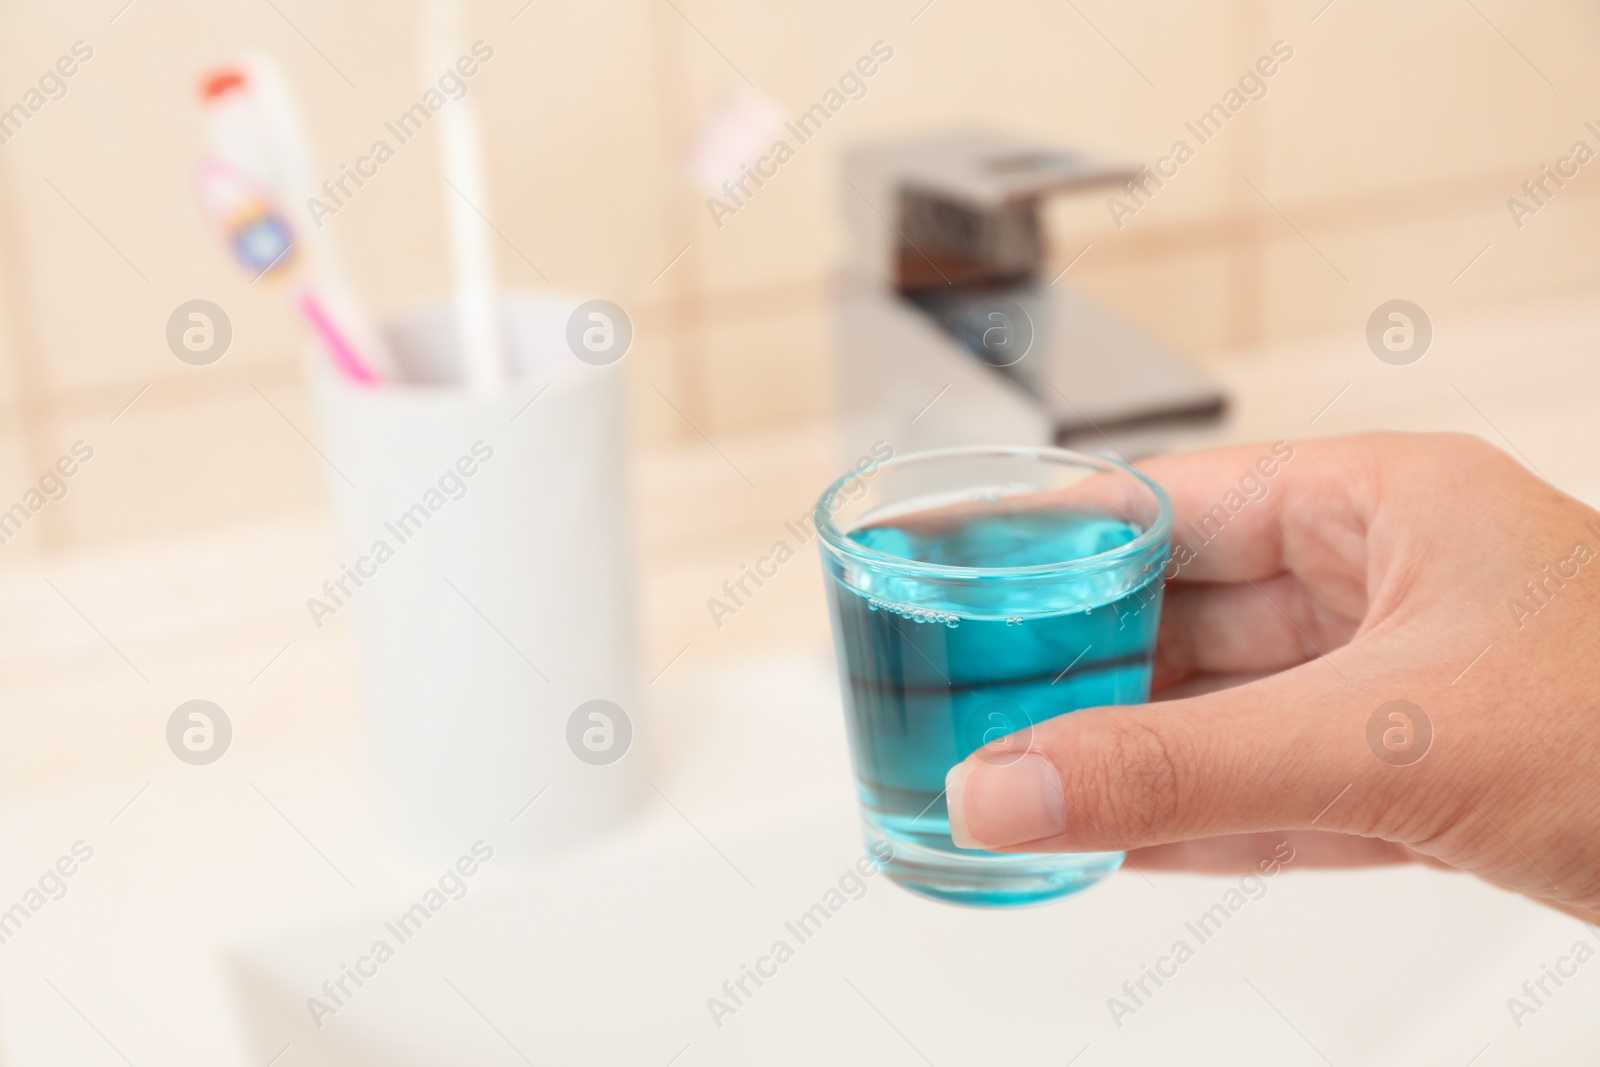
[(344, 355)]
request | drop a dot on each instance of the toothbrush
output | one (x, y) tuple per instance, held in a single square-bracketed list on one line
[(466, 200), (255, 130), (261, 240)]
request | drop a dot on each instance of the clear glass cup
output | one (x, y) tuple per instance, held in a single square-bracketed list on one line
[(974, 593)]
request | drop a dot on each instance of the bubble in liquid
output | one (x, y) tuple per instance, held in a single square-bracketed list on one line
[(914, 613)]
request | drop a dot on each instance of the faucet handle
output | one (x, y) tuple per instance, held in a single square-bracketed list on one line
[(986, 173), (962, 208)]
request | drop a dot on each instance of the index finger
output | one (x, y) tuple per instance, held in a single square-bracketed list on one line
[(1248, 512)]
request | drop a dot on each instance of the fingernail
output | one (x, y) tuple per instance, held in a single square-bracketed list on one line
[(993, 805)]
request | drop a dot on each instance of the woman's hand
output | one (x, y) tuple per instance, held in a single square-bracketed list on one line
[(1362, 571)]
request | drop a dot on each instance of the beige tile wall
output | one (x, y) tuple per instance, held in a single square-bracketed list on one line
[(1388, 145)]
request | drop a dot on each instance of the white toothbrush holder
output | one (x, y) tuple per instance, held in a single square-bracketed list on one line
[(486, 570)]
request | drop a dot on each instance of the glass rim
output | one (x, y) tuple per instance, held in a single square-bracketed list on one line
[(834, 538)]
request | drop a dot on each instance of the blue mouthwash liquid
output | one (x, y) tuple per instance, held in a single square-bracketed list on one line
[(932, 673)]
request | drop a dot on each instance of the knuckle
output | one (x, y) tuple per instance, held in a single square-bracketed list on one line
[(1141, 782), (1465, 456)]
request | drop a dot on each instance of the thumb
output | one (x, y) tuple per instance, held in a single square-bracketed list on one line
[(1285, 752)]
